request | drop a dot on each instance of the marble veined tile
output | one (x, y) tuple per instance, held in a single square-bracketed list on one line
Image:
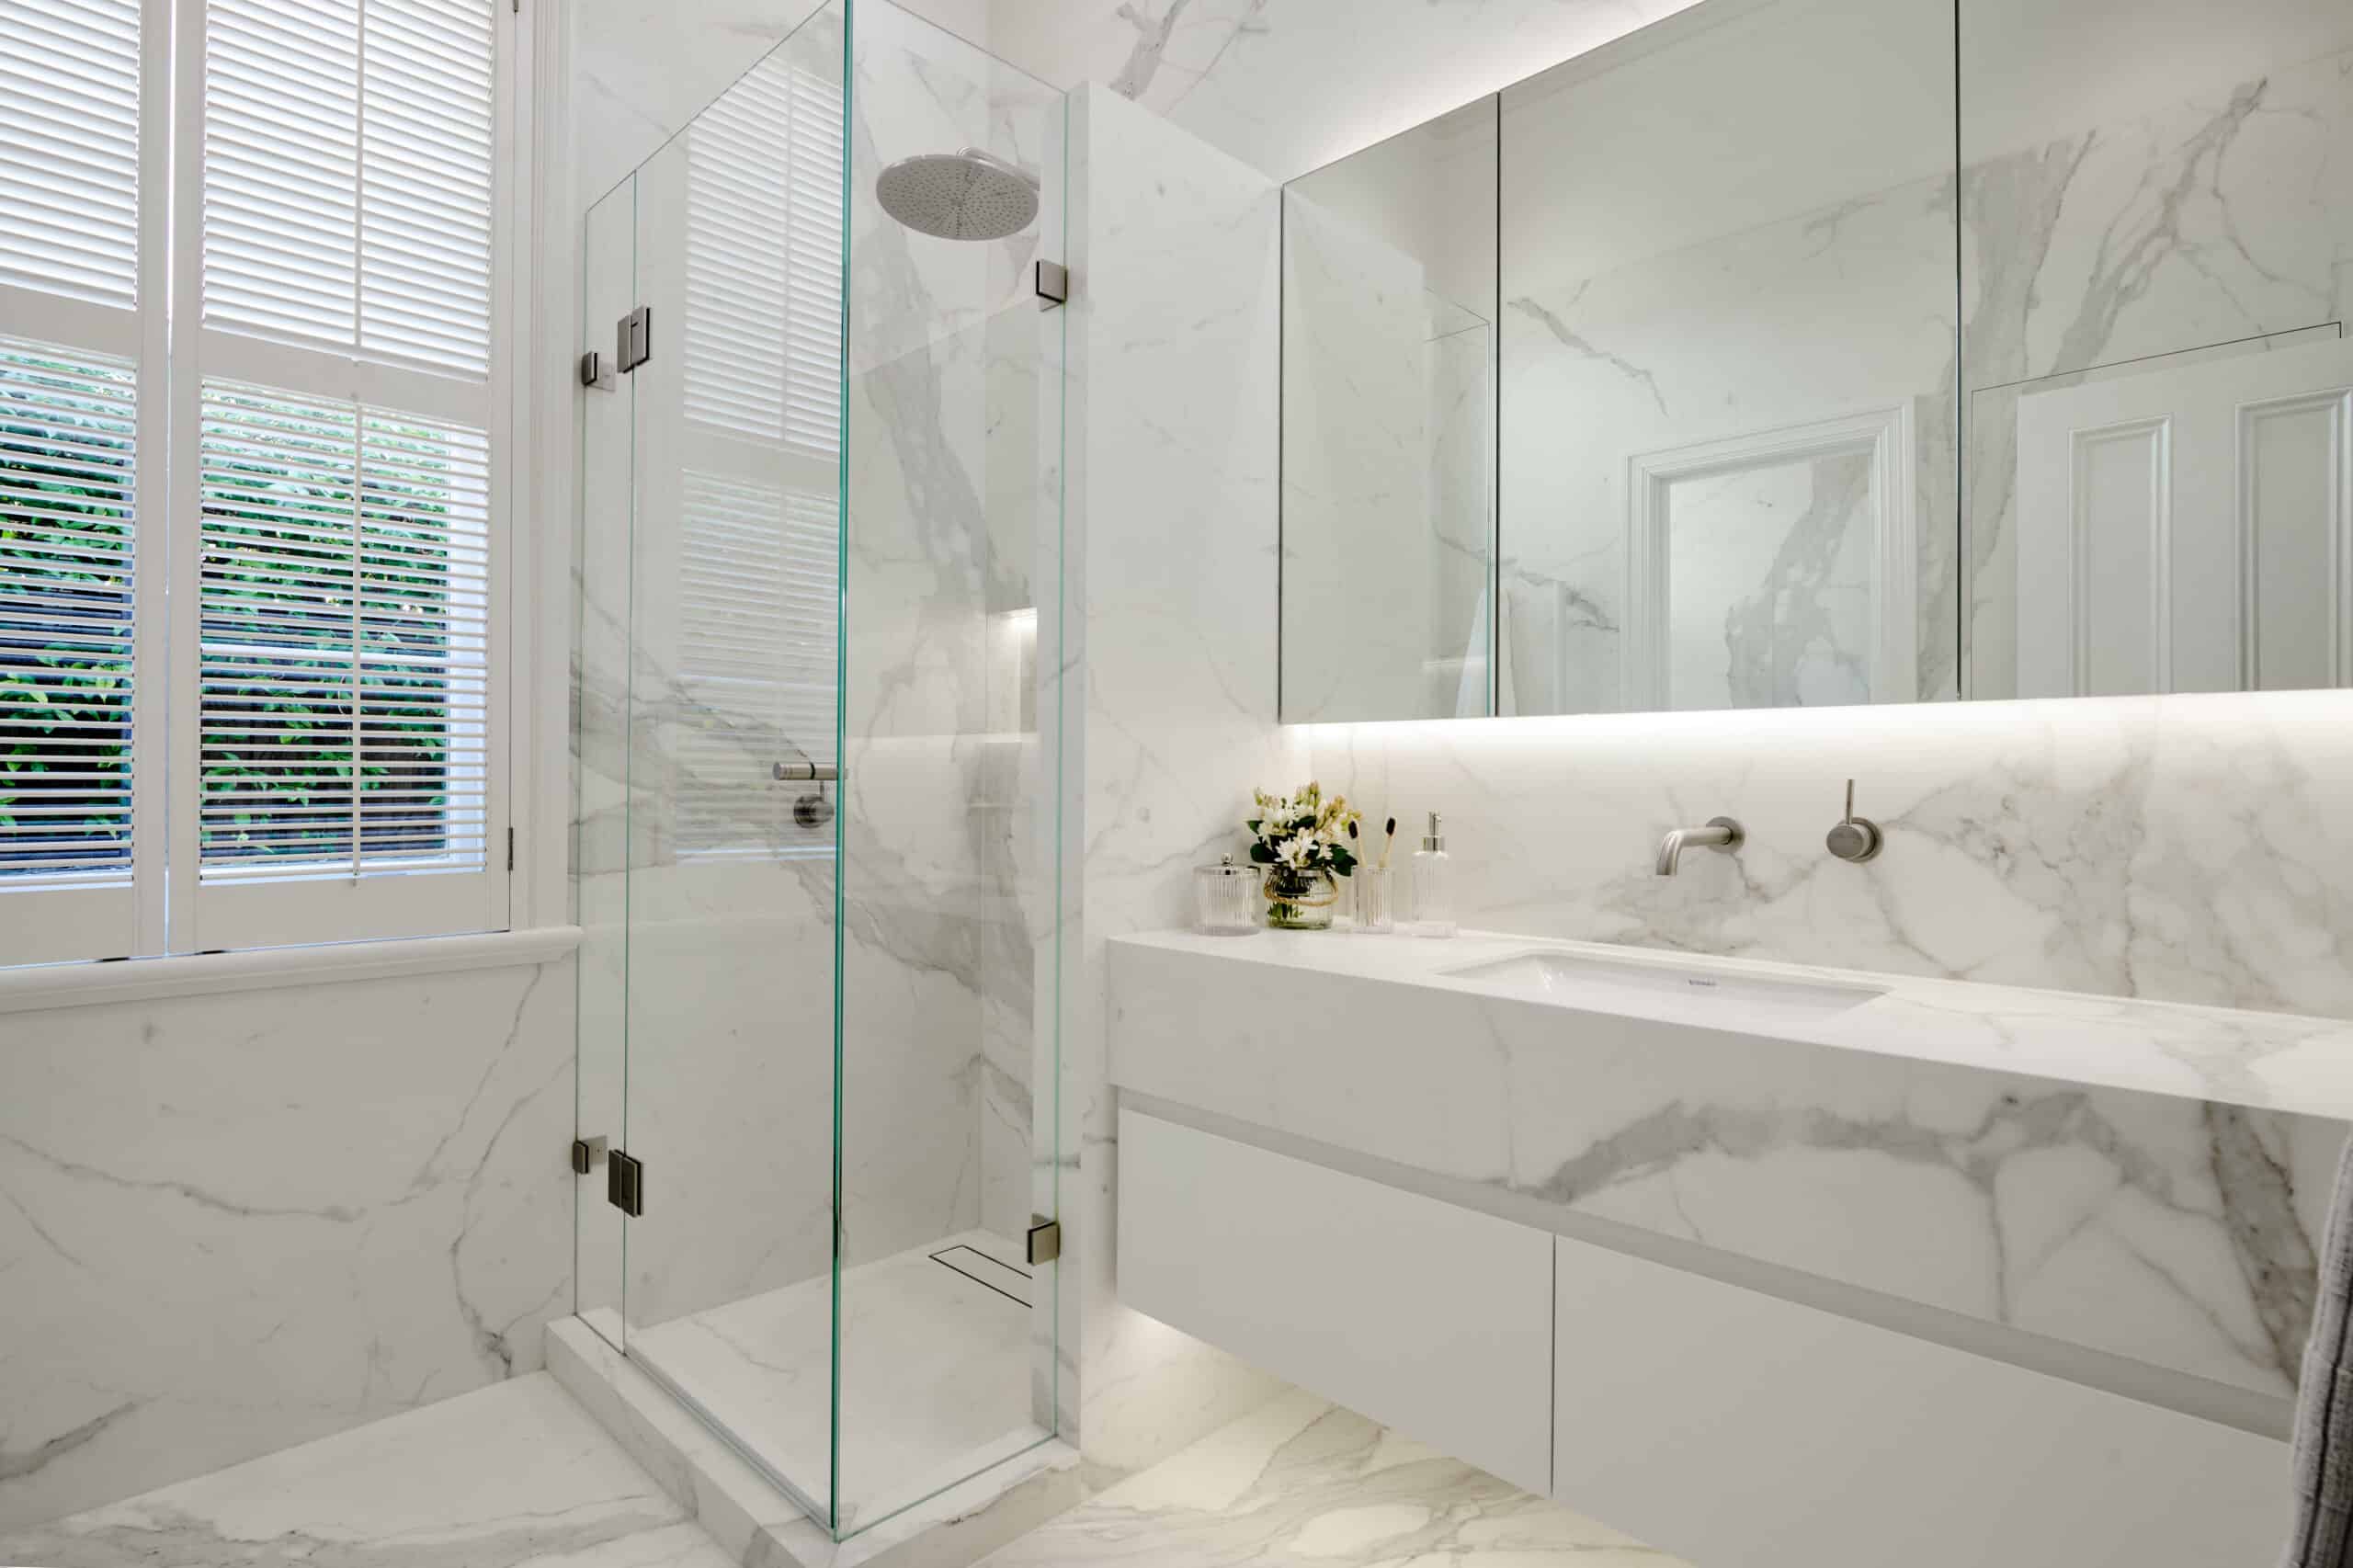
[(510, 1475), (1301, 1481)]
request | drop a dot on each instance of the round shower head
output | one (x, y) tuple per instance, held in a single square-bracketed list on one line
[(958, 195)]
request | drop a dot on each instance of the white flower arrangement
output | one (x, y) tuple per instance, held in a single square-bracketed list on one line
[(1303, 832)]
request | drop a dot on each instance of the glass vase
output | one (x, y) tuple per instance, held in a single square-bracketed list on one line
[(1301, 899)]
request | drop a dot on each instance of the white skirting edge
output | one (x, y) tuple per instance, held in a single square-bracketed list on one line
[(42, 986)]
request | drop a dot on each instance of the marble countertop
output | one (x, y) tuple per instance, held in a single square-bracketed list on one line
[(2146, 1180), (2278, 1062)]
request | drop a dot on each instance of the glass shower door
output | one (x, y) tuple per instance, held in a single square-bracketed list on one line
[(600, 660), (953, 426), (735, 590)]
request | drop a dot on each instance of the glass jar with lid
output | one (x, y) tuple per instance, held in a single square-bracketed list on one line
[(1225, 898)]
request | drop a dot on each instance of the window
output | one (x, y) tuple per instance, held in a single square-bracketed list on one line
[(758, 492), (310, 455)]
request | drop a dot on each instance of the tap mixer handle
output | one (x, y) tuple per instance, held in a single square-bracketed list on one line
[(1854, 839)]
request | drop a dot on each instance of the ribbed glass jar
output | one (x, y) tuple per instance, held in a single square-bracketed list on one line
[(1225, 898)]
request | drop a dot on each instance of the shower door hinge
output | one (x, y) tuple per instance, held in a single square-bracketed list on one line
[(510, 848), (1045, 1240), (587, 1153), (633, 339), (1053, 285), (625, 1184)]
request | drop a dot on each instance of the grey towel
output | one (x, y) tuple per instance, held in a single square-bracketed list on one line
[(2322, 1456)]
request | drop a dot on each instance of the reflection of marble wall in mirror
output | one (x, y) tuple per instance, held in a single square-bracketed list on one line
[(1757, 269), (2158, 185), (1767, 618)]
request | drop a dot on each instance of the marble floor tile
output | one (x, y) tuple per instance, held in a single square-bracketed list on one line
[(935, 1371), (512, 1475), (1300, 1482)]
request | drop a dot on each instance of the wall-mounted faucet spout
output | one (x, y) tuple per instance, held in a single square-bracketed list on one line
[(1721, 833)]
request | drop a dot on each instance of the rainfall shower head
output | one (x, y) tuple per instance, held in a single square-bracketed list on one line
[(958, 195)]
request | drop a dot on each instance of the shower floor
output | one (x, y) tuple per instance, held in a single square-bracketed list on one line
[(935, 1361)]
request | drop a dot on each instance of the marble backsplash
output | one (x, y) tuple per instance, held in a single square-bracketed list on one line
[(2179, 848)]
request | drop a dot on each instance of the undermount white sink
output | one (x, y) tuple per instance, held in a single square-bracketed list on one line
[(1579, 979)]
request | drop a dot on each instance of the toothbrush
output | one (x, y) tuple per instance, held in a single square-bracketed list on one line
[(1387, 843)]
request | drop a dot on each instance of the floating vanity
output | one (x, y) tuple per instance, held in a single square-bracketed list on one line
[(1764, 1264)]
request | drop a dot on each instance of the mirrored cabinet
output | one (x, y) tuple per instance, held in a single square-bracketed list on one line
[(1796, 353)]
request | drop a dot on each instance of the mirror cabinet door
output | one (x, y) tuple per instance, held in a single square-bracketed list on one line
[(2157, 211), (1389, 429)]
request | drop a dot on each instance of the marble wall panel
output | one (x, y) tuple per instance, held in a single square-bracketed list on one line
[(231, 1223)]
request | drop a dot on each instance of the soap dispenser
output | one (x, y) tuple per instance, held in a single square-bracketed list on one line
[(1433, 873)]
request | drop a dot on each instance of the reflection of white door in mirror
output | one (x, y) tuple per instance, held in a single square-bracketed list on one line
[(1774, 569), (2189, 529)]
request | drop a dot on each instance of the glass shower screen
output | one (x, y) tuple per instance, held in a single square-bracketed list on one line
[(810, 847)]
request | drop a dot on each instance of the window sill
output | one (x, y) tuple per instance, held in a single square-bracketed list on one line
[(203, 974)]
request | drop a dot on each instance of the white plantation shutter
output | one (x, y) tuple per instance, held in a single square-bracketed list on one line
[(758, 656), (68, 441), (69, 148), (347, 175), (764, 261), (345, 642), (343, 723), (78, 418)]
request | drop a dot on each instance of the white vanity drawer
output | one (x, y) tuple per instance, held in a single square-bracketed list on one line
[(1740, 1430), (1431, 1319)]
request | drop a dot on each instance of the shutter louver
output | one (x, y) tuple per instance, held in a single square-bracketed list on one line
[(764, 261), (281, 143), (343, 598), (67, 444), (757, 654), (813, 345), (347, 178), (69, 148), (425, 183)]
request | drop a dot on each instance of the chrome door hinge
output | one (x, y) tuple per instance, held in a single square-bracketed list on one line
[(587, 1153), (1045, 1240), (625, 1184), (633, 339), (1053, 285), (596, 372)]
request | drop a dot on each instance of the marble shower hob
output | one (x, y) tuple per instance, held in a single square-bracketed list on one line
[(935, 1372)]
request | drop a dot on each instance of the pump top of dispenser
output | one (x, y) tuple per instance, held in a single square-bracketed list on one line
[(1433, 841)]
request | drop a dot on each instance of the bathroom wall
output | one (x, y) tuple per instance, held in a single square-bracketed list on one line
[(1166, 678), (233, 1222)]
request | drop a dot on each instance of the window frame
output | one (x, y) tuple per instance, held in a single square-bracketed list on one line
[(167, 907)]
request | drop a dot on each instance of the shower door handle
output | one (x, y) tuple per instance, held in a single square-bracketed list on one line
[(806, 773)]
